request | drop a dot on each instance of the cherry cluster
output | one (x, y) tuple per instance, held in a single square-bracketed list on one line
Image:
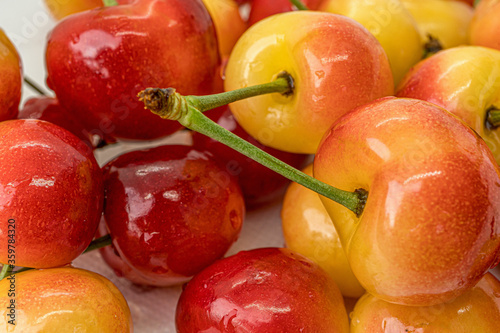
[(396, 104)]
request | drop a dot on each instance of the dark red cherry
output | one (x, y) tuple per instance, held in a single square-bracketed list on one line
[(171, 211)]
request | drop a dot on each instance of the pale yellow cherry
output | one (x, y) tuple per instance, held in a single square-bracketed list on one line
[(447, 21), (308, 230)]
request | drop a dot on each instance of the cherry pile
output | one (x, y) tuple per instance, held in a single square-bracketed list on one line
[(391, 110)]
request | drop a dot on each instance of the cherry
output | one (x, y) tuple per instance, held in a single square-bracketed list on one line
[(50, 193), (262, 290), (49, 109), (171, 211)]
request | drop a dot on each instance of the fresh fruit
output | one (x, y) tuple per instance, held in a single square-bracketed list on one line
[(50, 194), (390, 23), (260, 9), (11, 78), (484, 27), (98, 60), (171, 211), (62, 300), (335, 65), (466, 82), (476, 311), (262, 290), (49, 109), (308, 230), (60, 9), (429, 229), (446, 21), (228, 23)]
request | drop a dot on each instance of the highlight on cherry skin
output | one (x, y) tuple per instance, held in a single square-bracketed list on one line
[(270, 290), (52, 192), (185, 210), (62, 299)]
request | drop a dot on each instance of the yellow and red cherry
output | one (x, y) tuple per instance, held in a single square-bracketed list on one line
[(429, 229), (329, 78), (262, 290), (465, 81), (484, 26), (171, 211), (476, 311), (63, 299), (308, 230)]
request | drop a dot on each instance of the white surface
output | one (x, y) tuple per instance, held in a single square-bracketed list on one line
[(27, 23)]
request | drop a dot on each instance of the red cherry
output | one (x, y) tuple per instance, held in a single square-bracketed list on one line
[(171, 211), (262, 290), (49, 109), (50, 193), (98, 60)]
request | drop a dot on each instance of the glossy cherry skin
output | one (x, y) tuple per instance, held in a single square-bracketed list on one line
[(259, 184), (64, 299), (484, 27), (60, 9), (476, 311), (11, 82), (308, 230), (171, 211), (51, 190), (430, 228), (262, 290), (335, 63), (98, 60), (463, 80), (49, 109), (261, 9)]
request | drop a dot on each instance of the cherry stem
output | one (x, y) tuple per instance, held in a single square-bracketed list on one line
[(299, 5), (98, 243), (168, 104), (34, 86), (110, 3), (6, 271), (493, 117), (432, 46)]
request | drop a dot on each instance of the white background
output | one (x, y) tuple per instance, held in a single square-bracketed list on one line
[(27, 23)]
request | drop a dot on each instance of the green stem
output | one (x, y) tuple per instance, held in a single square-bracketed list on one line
[(34, 86), (98, 243), (110, 3), (94, 245), (6, 271), (169, 104), (493, 117), (432, 46), (299, 4), (283, 84)]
